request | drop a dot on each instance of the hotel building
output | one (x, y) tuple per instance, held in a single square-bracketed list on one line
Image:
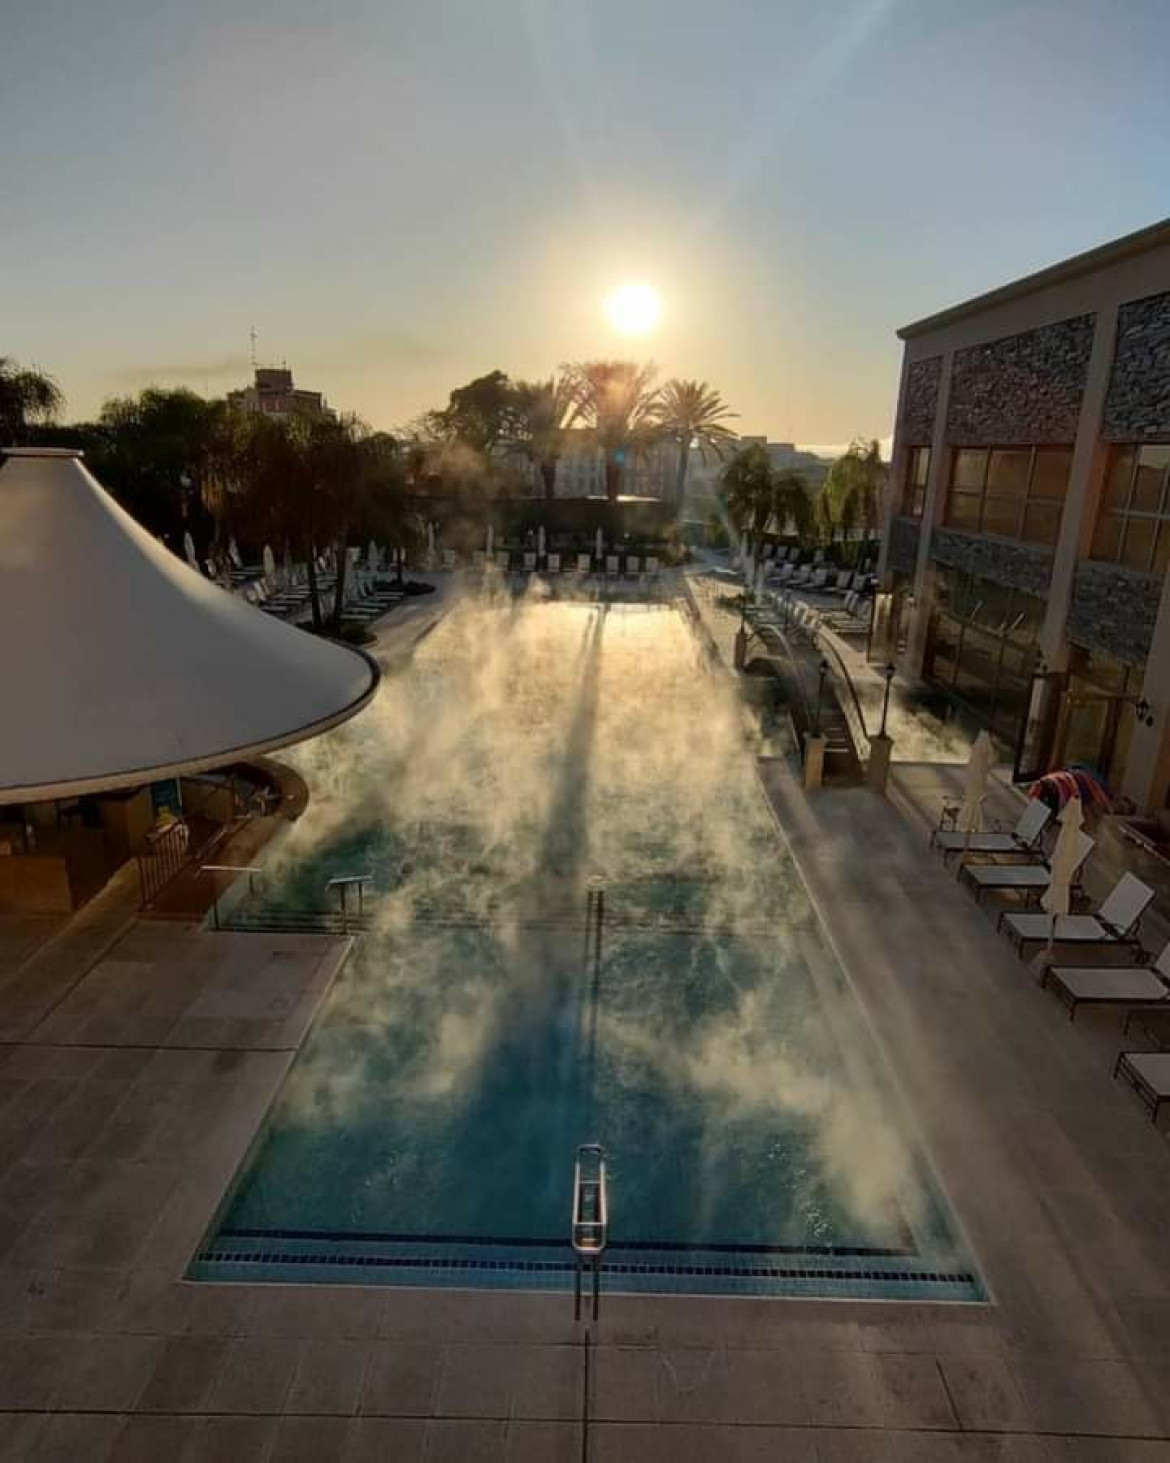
[(1026, 555)]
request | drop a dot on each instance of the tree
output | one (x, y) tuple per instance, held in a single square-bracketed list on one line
[(756, 494), (154, 454), (27, 394), (616, 402), (854, 488), (694, 415), (542, 410), (482, 414)]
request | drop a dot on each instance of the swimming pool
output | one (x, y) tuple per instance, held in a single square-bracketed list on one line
[(533, 758)]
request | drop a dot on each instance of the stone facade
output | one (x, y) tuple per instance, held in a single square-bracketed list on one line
[(1022, 389), (1113, 610), (1020, 566), (1137, 408), (903, 551), (920, 402)]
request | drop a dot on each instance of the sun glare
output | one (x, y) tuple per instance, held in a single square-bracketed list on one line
[(634, 309)]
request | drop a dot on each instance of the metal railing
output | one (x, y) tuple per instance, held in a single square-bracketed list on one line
[(167, 853), (590, 1229), (250, 869), (848, 702), (343, 884)]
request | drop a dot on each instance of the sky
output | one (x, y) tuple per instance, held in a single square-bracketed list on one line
[(401, 196)]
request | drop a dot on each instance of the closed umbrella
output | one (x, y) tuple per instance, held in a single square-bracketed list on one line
[(599, 544), (371, 555), (189, 550), (540, 542), (430, 543), (489, 549), (269, 564), (1057, 898), (234, 554), (970, 818)]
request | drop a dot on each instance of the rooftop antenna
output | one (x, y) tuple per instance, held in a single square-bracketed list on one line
[(252, 338)]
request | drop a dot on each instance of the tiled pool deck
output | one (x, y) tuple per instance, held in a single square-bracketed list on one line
[(128, 1098)]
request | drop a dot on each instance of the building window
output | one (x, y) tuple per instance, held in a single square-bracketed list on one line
[(1014, 492), (1133, 521), (914, 485), (982, 647)]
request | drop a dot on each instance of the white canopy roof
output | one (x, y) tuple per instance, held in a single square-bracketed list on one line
[(119, 664)]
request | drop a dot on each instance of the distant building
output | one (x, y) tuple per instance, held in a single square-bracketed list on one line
[(788, 457), (1026, 552), (272, 394)]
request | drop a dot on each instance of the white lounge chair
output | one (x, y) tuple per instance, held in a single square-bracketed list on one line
[(502, 560), (611, 565), (651, 566), (448, 558), (1024, 838), (529, 563), (633, 565), (584, 563), (1115, 923), (1031, 880), (554, 563), (1111, 985)]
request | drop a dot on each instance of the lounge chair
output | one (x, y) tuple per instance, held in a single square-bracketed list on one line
[(502, 560), (611, 566), (554, 563), (1028, 879), (1024, 838), (478, 559), (530, 563), (1137, 986), (1115, 923), (652, 566), (584, 563), (448, 558), (1148, 1073), (633, 565)]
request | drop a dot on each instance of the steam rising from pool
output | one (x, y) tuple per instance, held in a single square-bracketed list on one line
[(526, 747)]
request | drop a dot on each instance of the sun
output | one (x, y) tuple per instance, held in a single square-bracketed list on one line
[(634, 309)]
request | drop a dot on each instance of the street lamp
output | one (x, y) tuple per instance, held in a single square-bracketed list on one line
[(824, 671), (888, 673)]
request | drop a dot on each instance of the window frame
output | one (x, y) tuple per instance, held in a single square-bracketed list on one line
[(913, 498), (1028, 506), (1122, 514)]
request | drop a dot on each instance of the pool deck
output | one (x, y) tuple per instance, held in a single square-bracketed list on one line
[(131, 1090)]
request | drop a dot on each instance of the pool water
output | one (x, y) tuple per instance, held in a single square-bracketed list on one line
[(586, 928)]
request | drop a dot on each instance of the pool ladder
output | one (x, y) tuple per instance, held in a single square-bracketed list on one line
[(590, 1221)]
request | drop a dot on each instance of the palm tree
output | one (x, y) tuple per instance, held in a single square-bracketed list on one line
[(25, 395), (854, 488), (756, 495), (694, 415), (543, 410), (615, 401)]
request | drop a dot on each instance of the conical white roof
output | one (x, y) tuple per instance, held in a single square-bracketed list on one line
[(119, 664)]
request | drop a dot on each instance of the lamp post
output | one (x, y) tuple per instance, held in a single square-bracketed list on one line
[(823, 668), (888, 673)]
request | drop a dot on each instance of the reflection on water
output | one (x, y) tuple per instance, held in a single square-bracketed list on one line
[(483, 1030)]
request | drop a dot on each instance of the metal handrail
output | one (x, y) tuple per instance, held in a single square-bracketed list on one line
[(862, 736), (250, 869)]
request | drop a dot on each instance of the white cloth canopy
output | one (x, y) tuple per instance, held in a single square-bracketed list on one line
[(133, 667)]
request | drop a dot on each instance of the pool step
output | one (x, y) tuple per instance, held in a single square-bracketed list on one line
[(296, 921)]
